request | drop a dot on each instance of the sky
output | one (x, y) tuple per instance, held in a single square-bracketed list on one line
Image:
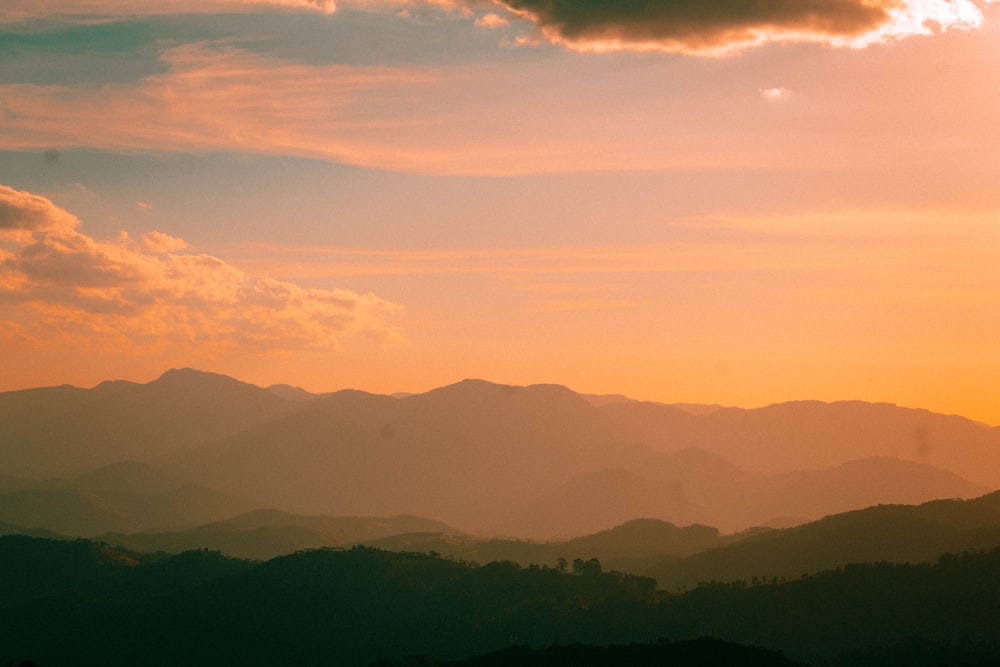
[(733, 202)]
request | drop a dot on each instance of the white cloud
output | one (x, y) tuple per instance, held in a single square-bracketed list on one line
[(491, 20), (60, 286), (775, 94)]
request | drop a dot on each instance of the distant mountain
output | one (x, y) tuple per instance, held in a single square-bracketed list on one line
[(597, 400), (123, 497), (466, 454), (812, 435), (644, 537), (8, 483), (65, 431), (693, 486), (14, 529), (635, 539), (265, 534), (600, 400), (123, 477), (290, 392), (538, 461)]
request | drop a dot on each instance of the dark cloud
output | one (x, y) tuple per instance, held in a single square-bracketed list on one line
[(719, 25)]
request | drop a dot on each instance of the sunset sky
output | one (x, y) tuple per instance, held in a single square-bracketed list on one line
[(733, 201)]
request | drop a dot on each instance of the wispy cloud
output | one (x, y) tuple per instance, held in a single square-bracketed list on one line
[(21, 10), (877, 251), (493, 119), (768, 249), (59, 286), (475, 120), (724, 26), (217, 99)]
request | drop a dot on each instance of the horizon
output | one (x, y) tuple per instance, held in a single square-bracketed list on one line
[(739, 208), (583, 394)]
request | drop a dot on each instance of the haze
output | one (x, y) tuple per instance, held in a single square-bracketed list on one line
[(739, 207)]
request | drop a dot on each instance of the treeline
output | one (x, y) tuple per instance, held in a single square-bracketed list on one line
[(83, 603), (702, 652)]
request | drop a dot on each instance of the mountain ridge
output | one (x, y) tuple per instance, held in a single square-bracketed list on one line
[(536, 461)]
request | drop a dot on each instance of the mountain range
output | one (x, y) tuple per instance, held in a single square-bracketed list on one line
[(542, 461)]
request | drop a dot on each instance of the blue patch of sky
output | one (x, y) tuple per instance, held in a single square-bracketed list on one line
[(50, 53), (126, 50), (214, 200), (352, 37)]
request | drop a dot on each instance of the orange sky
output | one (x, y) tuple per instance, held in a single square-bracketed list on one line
[(391, 196)]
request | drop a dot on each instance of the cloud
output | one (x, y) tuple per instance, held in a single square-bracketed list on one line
[(21, 10), (775, 94), (218, 98), (474, 120), (694, 27), (60, 286), (26, 212), (722, 26), (491, 20), (159, 242)]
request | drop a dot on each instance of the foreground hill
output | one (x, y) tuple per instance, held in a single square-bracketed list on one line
[(681, 558), (538, 461), (885, 533), (685, 653), (363, 605)]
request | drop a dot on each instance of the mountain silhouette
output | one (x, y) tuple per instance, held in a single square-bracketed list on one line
[(85, 603), (539, 461), (265, 534), (890, 533), (64, 432)]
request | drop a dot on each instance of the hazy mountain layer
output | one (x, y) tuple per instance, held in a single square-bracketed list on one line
[(538, 461), (265, 534), (63, 431), (677, 557)]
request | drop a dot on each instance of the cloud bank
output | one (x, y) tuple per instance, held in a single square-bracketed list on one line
[(722, 26), (61, 287), (693, 27)]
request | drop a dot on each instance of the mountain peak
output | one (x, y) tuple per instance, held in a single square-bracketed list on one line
[(186, 379), (175, 374)]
